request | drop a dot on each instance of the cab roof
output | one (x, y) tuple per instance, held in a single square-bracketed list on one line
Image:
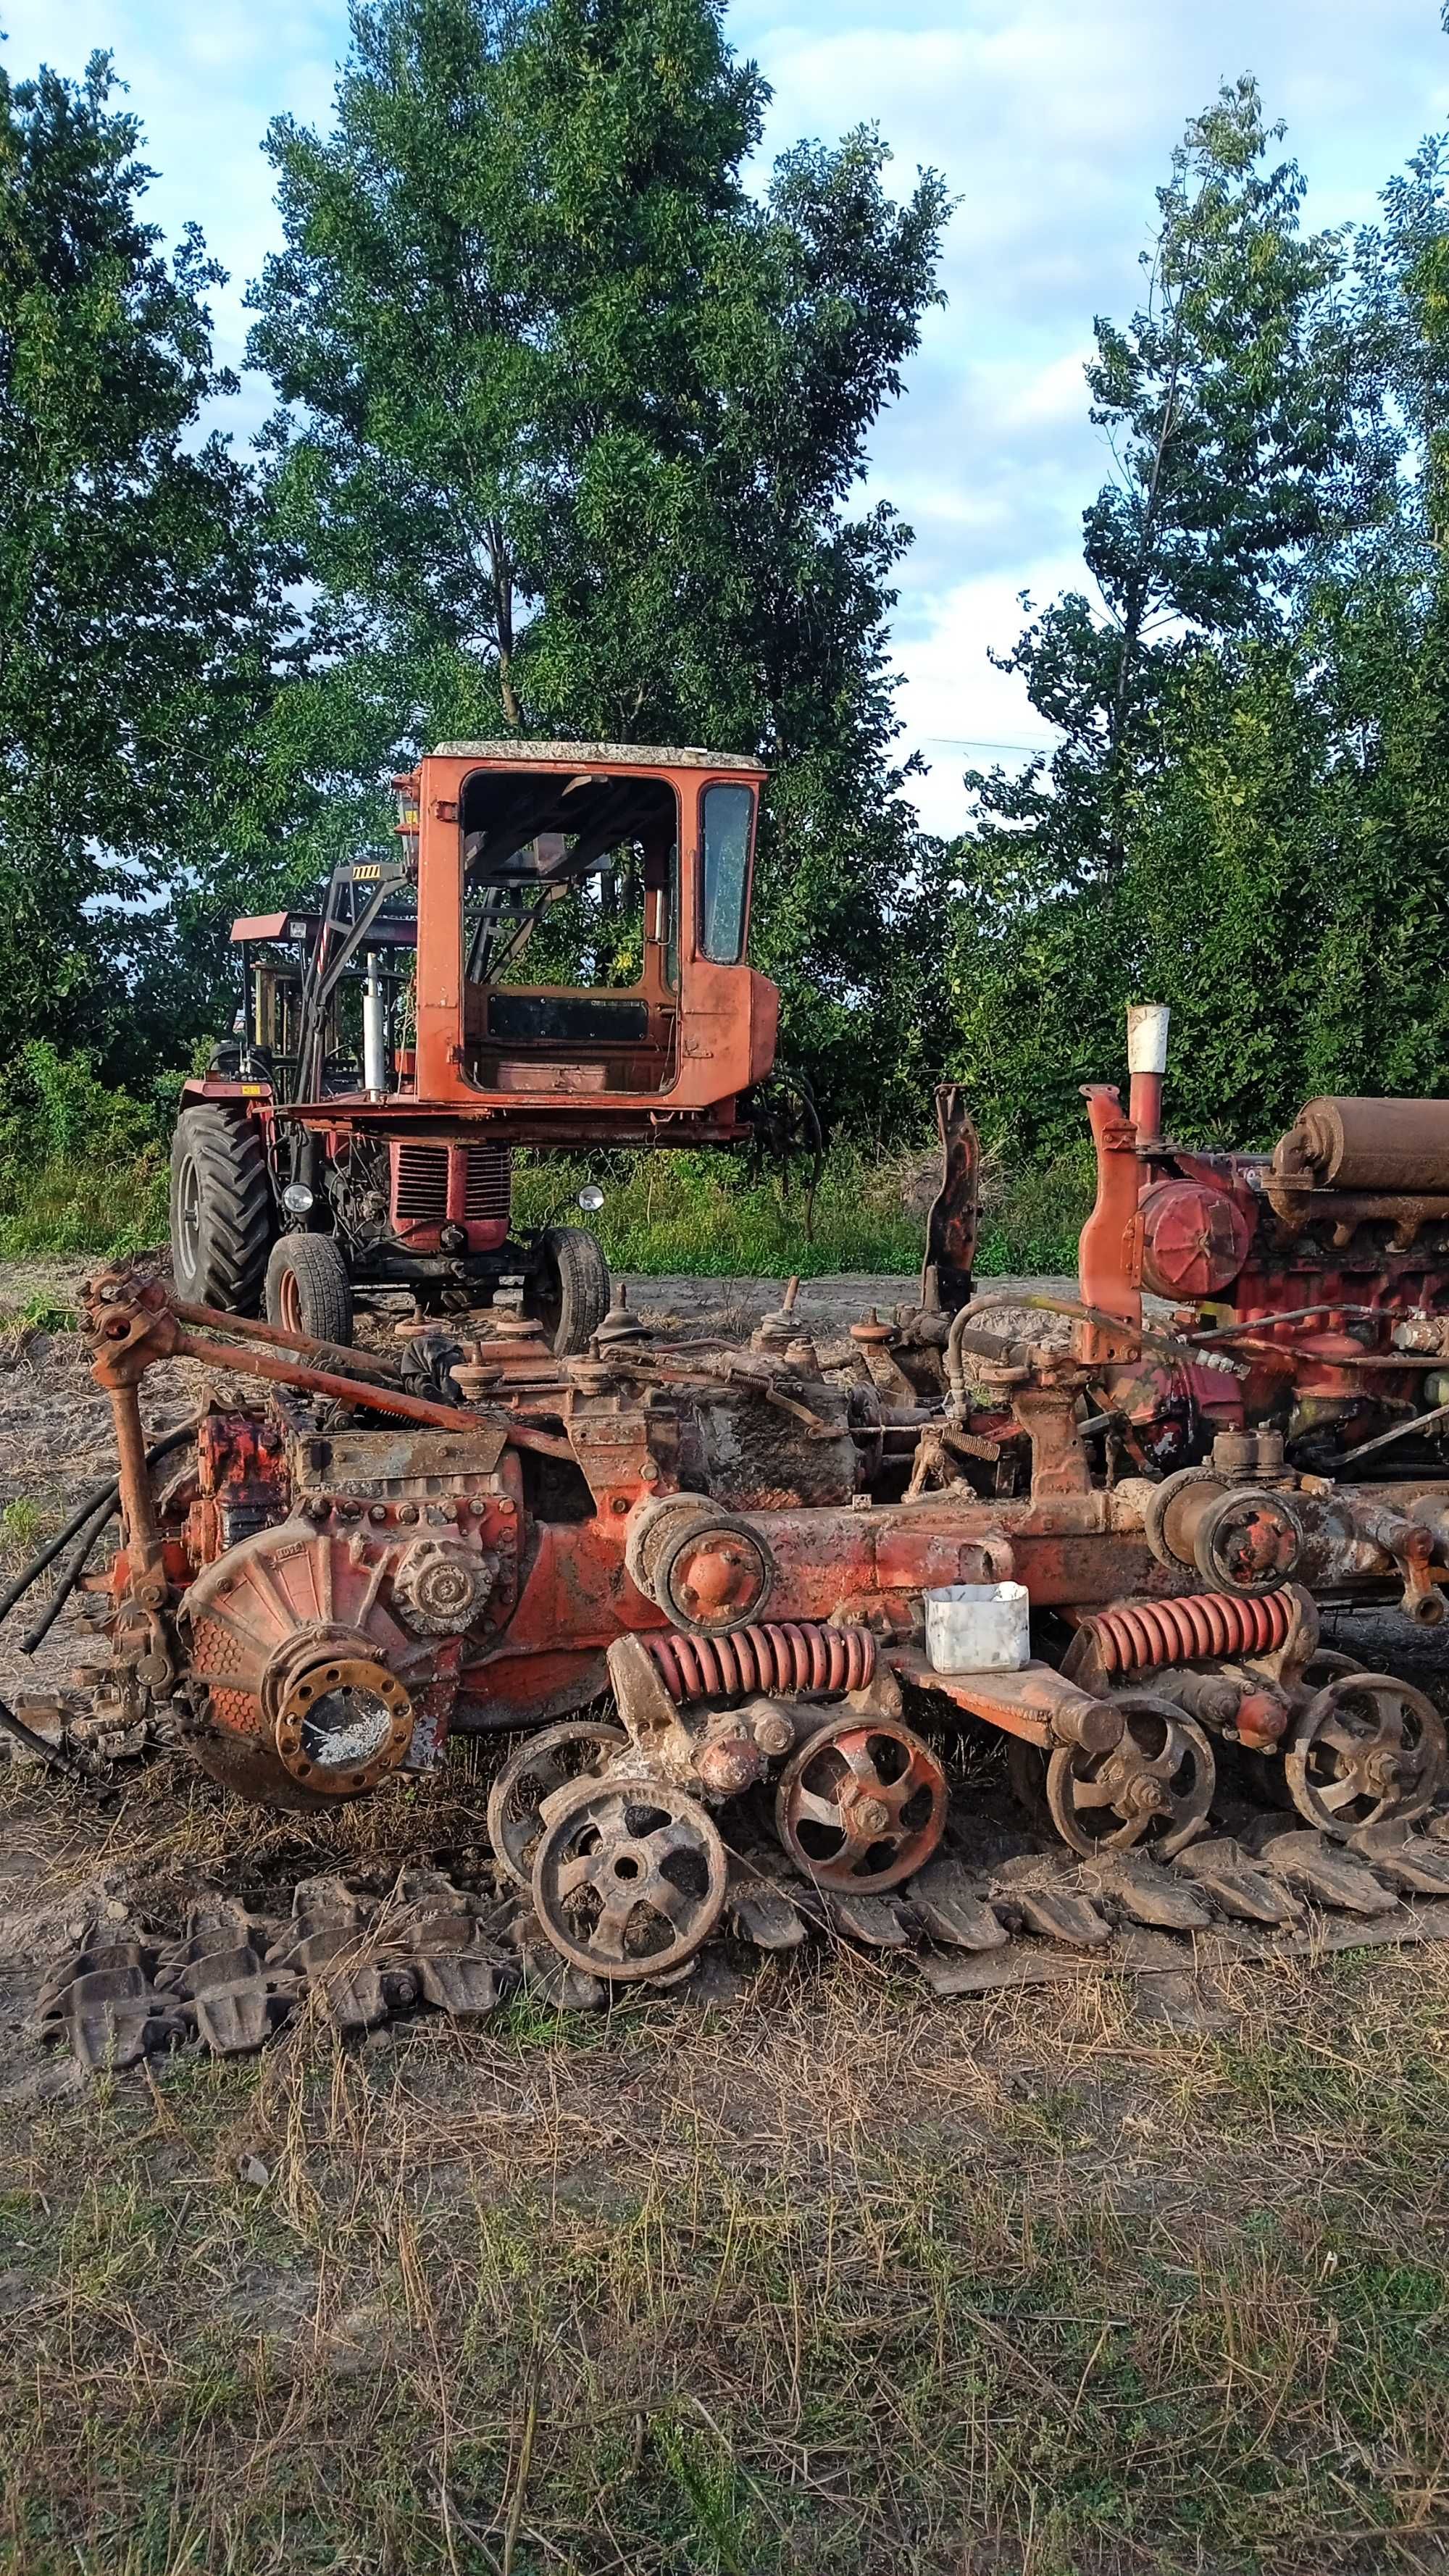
[(633, 755)]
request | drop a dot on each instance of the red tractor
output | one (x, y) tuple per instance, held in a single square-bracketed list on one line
[(358, 1130)]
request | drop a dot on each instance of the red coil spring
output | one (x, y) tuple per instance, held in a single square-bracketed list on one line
[(780, 1655), (1138, 1634)]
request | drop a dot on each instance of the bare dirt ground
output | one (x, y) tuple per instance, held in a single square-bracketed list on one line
[(811, 2270)]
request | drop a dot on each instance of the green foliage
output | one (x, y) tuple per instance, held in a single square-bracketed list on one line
[(1246, 816), (139, 616), (82, 1167)]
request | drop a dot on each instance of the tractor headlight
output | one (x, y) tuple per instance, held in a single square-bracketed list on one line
[(296, 1198), (591, 1198)]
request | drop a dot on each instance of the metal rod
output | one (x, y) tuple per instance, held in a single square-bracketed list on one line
[(250, 1328), (1400, 1431), (265, 1363), (1290, 1315)]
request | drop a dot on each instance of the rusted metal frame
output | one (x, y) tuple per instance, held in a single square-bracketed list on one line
[(273, 1364), (277, 1336), (951, 1223), (1036, 1703)]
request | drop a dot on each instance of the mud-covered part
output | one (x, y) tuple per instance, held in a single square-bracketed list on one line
[(629, 1876), (548, 1761), (1369, 1750), (862, 1804), (777, 1444)]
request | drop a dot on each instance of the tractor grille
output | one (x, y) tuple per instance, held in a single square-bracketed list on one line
[(487, 1191), (420, 1184)]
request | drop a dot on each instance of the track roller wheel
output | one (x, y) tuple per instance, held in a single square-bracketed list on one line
[(221, 1210), (1155, 1787), (569, 1291), (1368, 1750), (308, 1289), (546, 1763), (629, 1877), (861, 1805)]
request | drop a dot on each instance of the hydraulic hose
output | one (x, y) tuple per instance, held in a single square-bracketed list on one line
[(1041, 1301), (86, 1523)]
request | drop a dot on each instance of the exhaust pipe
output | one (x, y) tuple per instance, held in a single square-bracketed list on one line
[(1147, 1063), (374, 1033)]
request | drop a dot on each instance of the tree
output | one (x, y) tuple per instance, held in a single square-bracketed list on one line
[(1253, 458), (572, 424), (138, 621)]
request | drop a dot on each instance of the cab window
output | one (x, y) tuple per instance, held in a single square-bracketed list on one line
[(729, 819)]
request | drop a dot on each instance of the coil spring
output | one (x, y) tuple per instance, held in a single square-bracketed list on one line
[(1138, 1634), (779, 1655)]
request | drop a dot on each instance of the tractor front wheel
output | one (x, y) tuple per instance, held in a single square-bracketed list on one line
[(569, 1291), (221, 1211), (308, 1289)]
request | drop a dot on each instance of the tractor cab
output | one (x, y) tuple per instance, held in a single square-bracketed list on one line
[(551, 955), (625, 874)]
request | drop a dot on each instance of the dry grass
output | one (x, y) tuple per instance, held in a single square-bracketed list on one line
[(837, 2279)]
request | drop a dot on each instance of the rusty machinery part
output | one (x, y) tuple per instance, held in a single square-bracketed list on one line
[(1154, 1786), (1379, 1146), (861, 1805), (541, 1767), (269, 1609), (629, 1877), (783, 1655), (440, 1587), (1194, 1238), (1367, 1750), (1133, 1636), (713, 1573), (1242, 1538), (343, 1722), (950, 1254)]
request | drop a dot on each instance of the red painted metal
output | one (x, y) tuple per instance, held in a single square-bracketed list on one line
[(1134, 1636), (778, 1655)]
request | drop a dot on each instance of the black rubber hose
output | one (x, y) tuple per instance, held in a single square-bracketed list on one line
[(51, 1550), (71, 1571), (37, 1744), (89, 1522)]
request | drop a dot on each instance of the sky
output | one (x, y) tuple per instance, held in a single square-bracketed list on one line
[(1052, 122)]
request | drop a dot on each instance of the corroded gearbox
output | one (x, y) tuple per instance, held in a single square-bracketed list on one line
[(320, 1652)]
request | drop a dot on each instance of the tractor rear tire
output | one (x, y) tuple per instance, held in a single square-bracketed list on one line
[(221, 1211), (569, 1292), (308, 1289)]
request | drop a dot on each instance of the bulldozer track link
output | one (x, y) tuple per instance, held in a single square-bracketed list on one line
[(360, 1960)]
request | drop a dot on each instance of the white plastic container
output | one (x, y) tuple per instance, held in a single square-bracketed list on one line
[(978, 1627)]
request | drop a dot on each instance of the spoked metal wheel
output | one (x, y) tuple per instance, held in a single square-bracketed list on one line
[(1369, 1749), (629, 1877), (547, 1762), (1155, 1787), (862, 1805)]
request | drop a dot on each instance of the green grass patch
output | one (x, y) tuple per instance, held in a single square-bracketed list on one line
[(742, 2294), (703, 1214)]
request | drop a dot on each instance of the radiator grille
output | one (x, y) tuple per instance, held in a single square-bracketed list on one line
[(487, 1192), (480, 1180), (420, 1184)]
